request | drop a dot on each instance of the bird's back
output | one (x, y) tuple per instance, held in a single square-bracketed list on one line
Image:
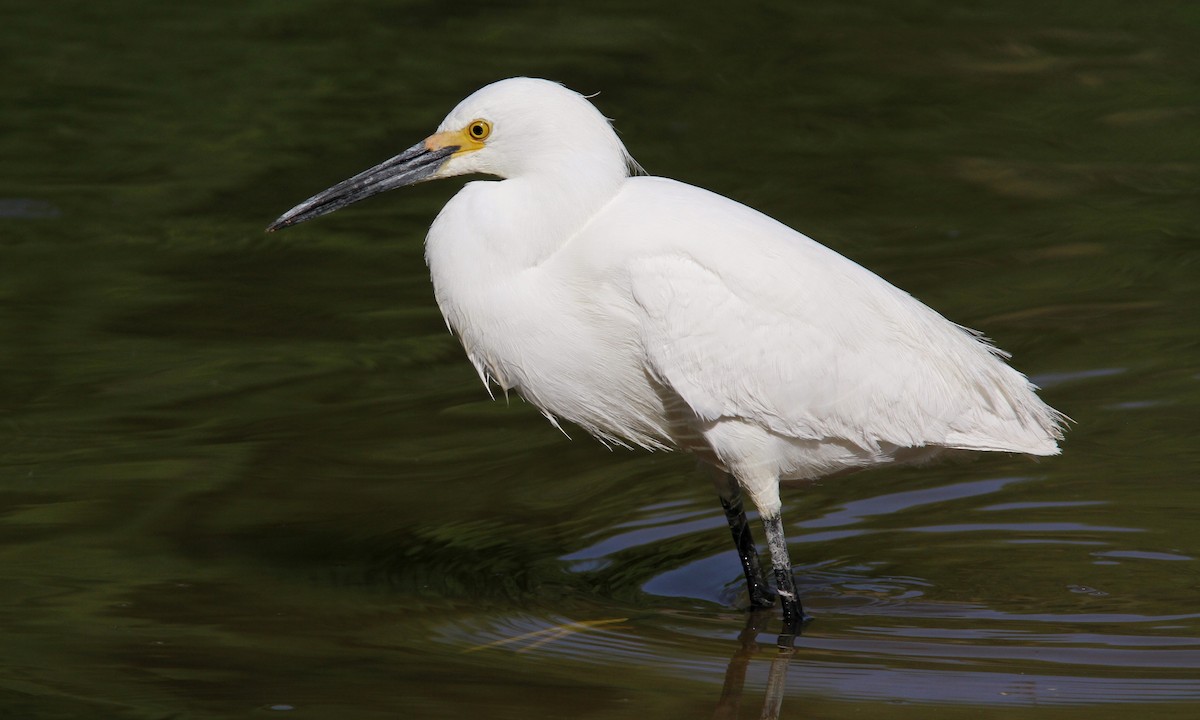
[(747, 321)]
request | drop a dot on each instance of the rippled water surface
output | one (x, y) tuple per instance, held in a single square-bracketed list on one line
[(247, 474)]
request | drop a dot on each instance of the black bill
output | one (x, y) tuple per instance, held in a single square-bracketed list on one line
[(411, 166)]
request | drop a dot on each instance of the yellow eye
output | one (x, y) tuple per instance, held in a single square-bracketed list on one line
[(479, 129)]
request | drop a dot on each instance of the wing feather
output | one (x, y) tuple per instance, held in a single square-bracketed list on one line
[(812, 346)]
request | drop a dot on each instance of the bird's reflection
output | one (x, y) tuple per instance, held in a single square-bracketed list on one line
[(735, 674), (748, 650)]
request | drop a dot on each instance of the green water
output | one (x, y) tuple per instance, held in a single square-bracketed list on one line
[(250, 475)]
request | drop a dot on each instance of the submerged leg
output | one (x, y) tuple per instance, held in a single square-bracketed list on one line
[(785, 584), (731, 500)]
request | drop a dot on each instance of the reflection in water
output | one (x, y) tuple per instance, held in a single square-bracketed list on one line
[(880, 635), (534, 639), (735, 674)]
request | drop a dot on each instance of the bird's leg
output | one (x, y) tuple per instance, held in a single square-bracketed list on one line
[(730, 494), (785, 583)]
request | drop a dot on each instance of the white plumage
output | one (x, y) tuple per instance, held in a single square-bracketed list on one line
[(658, 314)]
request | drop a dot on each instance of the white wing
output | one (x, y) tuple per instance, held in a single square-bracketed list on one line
[(745, 318)]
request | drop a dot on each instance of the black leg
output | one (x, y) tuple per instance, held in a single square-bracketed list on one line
[(731, 500), (785, 583)]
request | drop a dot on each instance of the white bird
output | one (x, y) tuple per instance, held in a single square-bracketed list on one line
[(654, 313)]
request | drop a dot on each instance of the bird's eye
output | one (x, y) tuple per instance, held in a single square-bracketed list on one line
[(479, 129)]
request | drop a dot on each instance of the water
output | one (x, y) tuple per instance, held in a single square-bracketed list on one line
[(246, 475)]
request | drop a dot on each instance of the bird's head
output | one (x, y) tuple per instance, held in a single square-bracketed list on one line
[(518, 127)]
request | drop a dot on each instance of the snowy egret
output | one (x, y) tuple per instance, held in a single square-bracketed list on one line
[(657, 314)]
